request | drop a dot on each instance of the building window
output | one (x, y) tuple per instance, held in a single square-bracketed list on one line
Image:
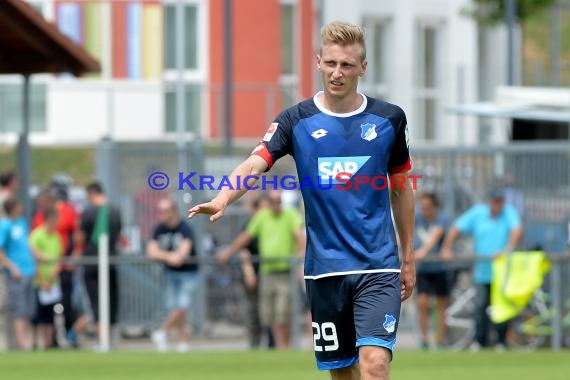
[(287, 39), (192, 108), (194, 75), (429, 66), (11, 107), (429, 55), (375, 81), (190, 36)]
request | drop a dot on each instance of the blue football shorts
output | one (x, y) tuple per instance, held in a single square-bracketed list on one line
[(351, 311)]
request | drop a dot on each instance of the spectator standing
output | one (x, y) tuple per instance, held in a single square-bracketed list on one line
[(280, 236), (47, 247), (98, 219), (172, 244), (496, 230), (432, 277), (8, 188), (57, 196), (20, 268)]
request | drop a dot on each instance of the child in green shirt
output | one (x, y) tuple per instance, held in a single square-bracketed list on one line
[(47, 248)]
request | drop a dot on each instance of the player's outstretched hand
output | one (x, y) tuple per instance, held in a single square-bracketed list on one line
[(214, 208), (408, 280)]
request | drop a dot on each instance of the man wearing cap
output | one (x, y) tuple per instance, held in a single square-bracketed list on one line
[(496, 230)]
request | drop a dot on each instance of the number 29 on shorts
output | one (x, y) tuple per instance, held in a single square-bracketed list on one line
[(325, 337)]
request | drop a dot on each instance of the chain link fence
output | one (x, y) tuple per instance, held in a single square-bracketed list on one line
[(536, 175)]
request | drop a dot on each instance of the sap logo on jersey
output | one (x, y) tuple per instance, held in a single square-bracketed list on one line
[(331, 169)]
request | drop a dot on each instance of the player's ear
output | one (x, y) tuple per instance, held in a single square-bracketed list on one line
[(363, 68), (319, 60)]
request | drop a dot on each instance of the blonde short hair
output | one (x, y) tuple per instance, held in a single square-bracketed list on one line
[(343, 34)]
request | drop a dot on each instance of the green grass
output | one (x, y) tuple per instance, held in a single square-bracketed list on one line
[(408, 365)]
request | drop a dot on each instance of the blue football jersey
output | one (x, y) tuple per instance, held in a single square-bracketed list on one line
[(349, 227)]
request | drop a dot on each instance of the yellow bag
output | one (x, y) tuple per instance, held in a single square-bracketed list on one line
[(515, 279)]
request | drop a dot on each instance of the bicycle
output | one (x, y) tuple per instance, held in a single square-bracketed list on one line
[(533, 326), (459, 313)]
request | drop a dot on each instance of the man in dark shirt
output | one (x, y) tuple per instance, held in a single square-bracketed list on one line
[(98, 219), (432, 277), (172, 244)]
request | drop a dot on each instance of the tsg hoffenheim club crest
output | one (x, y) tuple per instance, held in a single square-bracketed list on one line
[(368, 131), (389, 323)]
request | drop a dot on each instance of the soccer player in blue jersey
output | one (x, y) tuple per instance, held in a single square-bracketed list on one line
[(355, 280)]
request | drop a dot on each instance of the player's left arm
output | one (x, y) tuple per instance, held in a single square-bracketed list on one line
[(402, 201)]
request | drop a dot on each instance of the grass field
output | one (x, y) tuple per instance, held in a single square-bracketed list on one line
[(407, 365)]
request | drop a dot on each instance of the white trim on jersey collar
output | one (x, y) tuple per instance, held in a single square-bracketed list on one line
[(322, 108)]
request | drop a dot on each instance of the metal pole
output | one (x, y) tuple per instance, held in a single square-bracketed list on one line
[(24, 171), (554, 33), (228, 76), (455, 175), (180, 92), (461, 100), (24, 160), (511, 20), (557, 291), (104, 306), (198, 224), (296, 320)]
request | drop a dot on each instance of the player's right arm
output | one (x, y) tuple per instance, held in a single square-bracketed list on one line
[(275, 144), (253, 166)]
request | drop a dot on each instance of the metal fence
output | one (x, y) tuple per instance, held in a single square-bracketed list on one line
[(141, 287), (536, 176)]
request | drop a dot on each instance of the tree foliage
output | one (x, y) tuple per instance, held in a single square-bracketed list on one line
[(492, 12)]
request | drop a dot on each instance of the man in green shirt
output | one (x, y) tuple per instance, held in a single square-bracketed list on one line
[(47, 248), (280, 236)]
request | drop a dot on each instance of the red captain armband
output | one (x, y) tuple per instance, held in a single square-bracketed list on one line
[(402, 168), (262, 151)]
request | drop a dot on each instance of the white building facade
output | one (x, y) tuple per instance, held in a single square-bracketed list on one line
[(424, 55)]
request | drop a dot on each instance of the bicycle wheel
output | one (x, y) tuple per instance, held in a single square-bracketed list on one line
[(531, 328), (459, 318)]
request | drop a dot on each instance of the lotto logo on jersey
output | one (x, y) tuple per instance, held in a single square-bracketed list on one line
[(336, 170)]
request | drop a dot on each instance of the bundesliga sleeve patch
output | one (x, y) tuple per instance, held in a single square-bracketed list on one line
[(270, 131)]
